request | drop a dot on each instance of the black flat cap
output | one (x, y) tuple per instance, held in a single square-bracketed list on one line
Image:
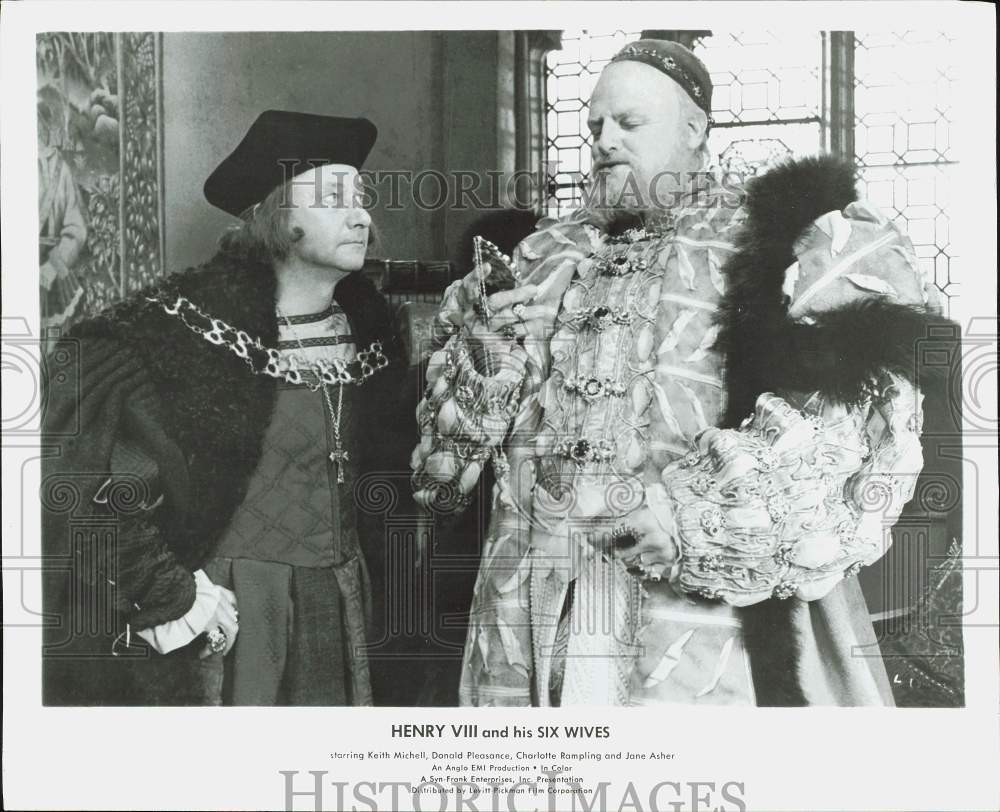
[(265, 157)]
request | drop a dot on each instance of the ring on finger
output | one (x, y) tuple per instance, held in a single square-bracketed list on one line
[(217, 639), (636, 570), (650, 573), (518, 311)]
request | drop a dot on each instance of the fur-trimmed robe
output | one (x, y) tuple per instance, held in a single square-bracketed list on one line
[(122, 537), (840, 356)]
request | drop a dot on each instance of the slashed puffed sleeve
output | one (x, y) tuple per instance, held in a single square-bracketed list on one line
[(462, 417), (806, 490), (469, 408), (794, 500)]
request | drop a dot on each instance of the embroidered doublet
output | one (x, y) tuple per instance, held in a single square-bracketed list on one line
[(632, 380)]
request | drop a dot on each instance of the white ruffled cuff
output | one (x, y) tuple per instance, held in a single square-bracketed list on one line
[(175, 634)]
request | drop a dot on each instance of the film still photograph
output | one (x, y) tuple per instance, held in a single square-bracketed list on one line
[(500, 368)]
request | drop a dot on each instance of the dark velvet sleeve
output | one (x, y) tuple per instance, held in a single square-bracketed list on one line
[(104, 470)]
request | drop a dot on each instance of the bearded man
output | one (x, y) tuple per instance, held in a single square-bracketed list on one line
[(700, 404), (203, 542)]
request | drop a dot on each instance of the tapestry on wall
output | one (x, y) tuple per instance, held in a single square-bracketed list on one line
[(99, 171)]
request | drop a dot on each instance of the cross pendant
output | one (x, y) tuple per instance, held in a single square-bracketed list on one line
[(338, 457)]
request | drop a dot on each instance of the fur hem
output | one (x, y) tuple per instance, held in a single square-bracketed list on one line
[(770, 639)]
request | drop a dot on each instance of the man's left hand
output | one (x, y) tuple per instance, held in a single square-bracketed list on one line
[(512, 309), (653, 551)]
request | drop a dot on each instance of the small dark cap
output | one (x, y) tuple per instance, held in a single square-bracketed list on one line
[(273, 143), (677, 62)]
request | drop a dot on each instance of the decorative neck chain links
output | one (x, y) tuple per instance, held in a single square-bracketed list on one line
[(263, 360), (617, 258), (650, 226), (338, 456)]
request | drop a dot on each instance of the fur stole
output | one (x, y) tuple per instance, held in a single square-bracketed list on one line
[(840, 356)]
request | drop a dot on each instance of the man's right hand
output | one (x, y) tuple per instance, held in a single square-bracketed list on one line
[(225, 618), (496, 338), (512, 318)]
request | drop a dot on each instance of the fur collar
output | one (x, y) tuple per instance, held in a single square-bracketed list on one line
[(842, 354), (214, 408)]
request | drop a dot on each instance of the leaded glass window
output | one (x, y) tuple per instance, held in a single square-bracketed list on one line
[(571, 74), (766, 103), (776, 95), (904, 141)]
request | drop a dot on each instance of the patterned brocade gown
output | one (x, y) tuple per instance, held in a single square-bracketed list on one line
[(631, 380), (619, 410)]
